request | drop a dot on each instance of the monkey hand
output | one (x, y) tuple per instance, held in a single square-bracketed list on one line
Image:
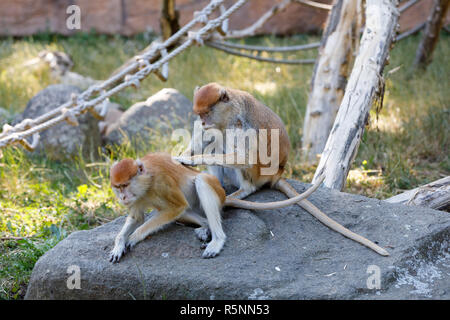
[(119, 250), (132, 241)]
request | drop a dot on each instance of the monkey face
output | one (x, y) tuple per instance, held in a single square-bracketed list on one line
[(211, 104), (206, 120), (124, 194), (128, 182), (215, 117), (218, 116)]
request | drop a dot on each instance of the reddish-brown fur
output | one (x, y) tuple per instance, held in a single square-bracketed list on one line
[(123, 172), (206, 97), (217, 187)]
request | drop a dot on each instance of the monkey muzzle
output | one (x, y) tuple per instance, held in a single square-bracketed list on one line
[(125, 200), (206, 121)]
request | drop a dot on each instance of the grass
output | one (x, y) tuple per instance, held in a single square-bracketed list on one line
[(406, 144)]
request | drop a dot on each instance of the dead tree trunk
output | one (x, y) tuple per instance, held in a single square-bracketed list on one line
[(329, 77), (431, 33), (363, 85), (435, 195), (169, 19)]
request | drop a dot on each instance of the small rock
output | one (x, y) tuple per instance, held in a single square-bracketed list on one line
[(4, 116)]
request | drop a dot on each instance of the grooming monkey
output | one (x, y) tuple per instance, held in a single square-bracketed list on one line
[(177, 193), (224, 108)]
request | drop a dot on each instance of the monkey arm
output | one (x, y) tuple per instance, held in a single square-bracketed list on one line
[(211, 160), (156, 222), (189, 217), (169, 202), (132, 222), (287, 189)]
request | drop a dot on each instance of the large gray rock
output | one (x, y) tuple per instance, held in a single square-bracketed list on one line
[(276, 254), (164, 111), (62, 141), (4, 116), (112, 116)]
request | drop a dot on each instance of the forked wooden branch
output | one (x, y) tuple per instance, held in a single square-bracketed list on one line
[(431, 33), (345, 137), (329, 77)]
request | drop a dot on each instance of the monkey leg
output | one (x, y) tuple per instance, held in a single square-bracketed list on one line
[(190, 217), (218, 172), (211, 205), (156, 222), (283, 186), (246, 188), (131, 223), (203, 233)]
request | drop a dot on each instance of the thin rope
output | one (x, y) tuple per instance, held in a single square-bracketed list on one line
[(267, 49), (148, 55), (272, 60), (411, 31), (407, 5), (78, 105), (315, 4)]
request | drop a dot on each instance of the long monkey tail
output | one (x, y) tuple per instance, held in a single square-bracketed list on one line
[(283, 186), (244, 204)]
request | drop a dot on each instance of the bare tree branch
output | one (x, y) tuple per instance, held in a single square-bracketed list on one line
[(251, 30), (345, 137), (431, 33), (329, 77)]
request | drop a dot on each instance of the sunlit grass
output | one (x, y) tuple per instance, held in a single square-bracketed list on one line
[(407, 144)]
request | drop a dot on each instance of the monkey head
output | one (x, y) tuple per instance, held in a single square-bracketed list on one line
[(212, 104), (129, 181)]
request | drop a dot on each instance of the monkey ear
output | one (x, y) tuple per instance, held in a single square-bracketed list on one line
[(196, 89), (224, 95), (141, 168)]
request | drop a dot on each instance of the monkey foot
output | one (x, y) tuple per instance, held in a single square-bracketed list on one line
[(213, 248), (117, 253), (203, 234)]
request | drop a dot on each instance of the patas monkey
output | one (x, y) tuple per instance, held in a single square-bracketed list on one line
[(177, 193), (223, 109), (174, 191)]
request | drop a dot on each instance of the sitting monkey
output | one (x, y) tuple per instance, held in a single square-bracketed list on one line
[(225, 109)]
